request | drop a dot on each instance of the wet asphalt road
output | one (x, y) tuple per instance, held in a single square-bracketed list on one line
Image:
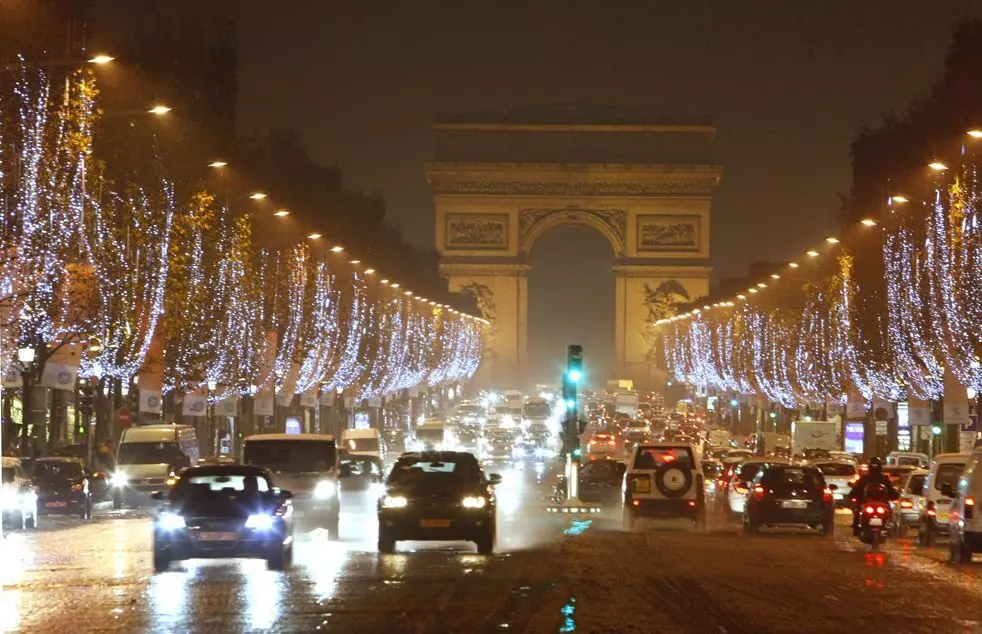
[(550, 574)]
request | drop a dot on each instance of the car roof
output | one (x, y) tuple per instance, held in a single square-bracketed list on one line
[(58, 459), (437, 456), (320, 437)]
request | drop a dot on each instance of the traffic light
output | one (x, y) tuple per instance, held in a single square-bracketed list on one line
[(86, 398), (574, 364)]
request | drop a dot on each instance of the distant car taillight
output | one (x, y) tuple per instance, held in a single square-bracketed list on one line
[(740, 488), (869, 510), (931, 512), (969, 507), (881, 510), (906, 504), (759, 493)]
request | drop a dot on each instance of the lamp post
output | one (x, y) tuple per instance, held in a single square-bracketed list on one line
[(212, 433), (26, 356)]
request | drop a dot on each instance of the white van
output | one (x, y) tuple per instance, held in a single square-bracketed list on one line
[(964, 520), (364, 442), (146, 457), (947, 470), (307, 465)]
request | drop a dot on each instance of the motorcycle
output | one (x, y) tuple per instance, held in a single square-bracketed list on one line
[(874, 523)]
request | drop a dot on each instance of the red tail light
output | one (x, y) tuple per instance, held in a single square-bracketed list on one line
[(740, 488), (691, 503), (636, 502), (969, 501), (906, 504), (881, 510), (869, 510), (759, 493), (827, 496), (930, 509)]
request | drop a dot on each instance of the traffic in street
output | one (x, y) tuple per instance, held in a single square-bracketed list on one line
[(619, 569)]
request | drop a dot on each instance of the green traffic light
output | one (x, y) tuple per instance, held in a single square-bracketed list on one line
[(570, 404), (937, 430), (574, 375), (576, 453)]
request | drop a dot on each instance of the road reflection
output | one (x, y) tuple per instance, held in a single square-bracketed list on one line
[(15, 556)]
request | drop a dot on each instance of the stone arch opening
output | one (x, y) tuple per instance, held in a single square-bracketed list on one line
[(534, 223)]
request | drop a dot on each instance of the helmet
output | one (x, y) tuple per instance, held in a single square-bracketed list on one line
[(875, 465)]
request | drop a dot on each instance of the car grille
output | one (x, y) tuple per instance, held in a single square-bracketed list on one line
[(434, 505)]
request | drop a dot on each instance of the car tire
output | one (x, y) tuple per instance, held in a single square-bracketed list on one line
[(161, 560), (485, 543), (279, 558), (750, 526), (333, 528), (386, 544), (30, 523)]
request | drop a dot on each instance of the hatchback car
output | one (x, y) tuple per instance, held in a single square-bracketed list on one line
[(740, 483), (783, 494), (62, 487), (438, 496), (843, 474), (223, 511)]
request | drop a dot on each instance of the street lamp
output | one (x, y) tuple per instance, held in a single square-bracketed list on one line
[(101, 59), (212, 435), (26, 355), (217, 164), (281, 213), (159, 110), (257, 196)]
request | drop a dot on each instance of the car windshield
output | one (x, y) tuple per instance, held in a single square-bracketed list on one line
[(297, 456), (836, 469), (219, 494), (361, 444), (436, 471), (916, 484), (948, 473), (149, 453), (433, 434), (537, 410), (51, 471), (907, 460), (656, 457)]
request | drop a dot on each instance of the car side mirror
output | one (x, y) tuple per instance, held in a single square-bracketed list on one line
[(494, 479), (833, 487), (157, 495), (344, 471), (947, 491), (285, 495)]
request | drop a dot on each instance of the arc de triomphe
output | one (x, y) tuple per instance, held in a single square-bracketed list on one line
[(502, 181)]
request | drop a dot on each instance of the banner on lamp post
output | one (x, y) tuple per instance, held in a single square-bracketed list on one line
[(855, 404), (955, 401), (262, 404), (61, 368), (151, 401), (327, 399), (309, 399), (227, 407), (918, 412), (11, 377), (195, 404)]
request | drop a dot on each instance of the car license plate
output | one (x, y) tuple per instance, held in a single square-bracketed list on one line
[(642, 485), (435, 523), (838, 496), (875, 521), (794, 504), (56, 505), (216, 537)]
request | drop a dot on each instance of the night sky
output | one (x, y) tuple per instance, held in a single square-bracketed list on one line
[(788, 84)]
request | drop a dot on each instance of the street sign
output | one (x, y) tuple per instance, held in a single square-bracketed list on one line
[(881, 428), (124, 418)]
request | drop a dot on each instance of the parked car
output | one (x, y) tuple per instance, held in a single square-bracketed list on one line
[(18, 500), (62, 487), (782, 494), (947, 469)]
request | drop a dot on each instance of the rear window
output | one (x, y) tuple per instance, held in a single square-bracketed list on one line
[(948, 473), (916, 484), (361, 444), (836, 469), (655, 457), (419, 470), (748, 471), (778, 476), (52, 471)]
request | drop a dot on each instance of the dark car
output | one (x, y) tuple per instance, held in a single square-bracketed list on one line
[(223, 511), (600, 482), (361, 471), (789, 494), (439, 495), (395, 440), (62, 487)]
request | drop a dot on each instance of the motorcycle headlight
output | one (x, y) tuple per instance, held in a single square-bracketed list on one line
[(325, 489), (394, 502), (119, 479), (473, 502), (170, 521), (259, 522)]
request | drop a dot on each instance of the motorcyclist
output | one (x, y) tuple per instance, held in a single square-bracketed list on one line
[(875, 485)]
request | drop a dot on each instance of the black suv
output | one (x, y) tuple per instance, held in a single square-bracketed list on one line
[(437, 495)]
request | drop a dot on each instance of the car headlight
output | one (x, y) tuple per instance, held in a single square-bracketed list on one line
[(394, 502), (119, 479), (260, 522), (170, 521), (473, 502), (325, 489)]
